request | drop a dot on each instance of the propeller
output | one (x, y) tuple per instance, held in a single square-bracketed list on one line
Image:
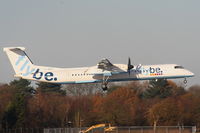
[(129, 66)]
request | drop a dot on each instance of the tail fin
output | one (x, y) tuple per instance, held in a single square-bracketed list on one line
[(21, 63)]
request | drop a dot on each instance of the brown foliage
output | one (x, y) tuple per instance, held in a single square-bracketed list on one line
[(123, 106), (79, 112), (6, 96), (48, 110), (165, 112), (116, 108), (189, 109)]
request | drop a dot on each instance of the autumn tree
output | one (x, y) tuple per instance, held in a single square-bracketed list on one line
[(189, 107), (195, 90), (117, 107), (95, 116), (164, 113), (140, 107), (80, 109), (48, 110), (137, 86)]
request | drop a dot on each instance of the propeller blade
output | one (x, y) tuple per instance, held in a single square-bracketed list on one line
[(129, 61), (129, 66)]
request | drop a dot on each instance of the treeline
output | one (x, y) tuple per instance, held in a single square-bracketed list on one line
[(157, 102)]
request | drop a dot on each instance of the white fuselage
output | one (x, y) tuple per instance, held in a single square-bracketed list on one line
[(93, 74)]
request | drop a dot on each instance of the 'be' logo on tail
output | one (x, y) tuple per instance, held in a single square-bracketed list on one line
[(47, 76)]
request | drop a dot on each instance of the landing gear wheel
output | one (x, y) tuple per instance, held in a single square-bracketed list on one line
[(104, 87), (185, 81), (105, 83)]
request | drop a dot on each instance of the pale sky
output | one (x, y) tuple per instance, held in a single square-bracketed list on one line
[(76, 33)]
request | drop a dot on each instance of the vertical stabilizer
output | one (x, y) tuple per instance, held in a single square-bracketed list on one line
[(21, 63)]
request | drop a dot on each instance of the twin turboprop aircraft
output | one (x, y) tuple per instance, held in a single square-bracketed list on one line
[(103, 72)]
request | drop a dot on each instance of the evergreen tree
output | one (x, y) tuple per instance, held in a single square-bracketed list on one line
[(14, 115), (22, 86), (158, 88), (50, 87)]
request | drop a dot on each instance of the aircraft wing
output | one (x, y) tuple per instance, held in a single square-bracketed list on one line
[(105, 64), (107, 68), (109, 73)]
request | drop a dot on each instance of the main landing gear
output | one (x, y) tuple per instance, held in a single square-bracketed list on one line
[(104, 86), (105, 83)]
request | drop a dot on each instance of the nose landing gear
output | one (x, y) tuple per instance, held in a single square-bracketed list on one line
[(185, 81)]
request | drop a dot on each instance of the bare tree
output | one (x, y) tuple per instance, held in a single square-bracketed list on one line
[(82, 89)]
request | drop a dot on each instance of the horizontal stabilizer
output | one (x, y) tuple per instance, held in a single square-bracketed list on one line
[(14, 48)]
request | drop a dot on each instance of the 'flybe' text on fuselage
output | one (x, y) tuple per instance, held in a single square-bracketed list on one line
[(150, 71)]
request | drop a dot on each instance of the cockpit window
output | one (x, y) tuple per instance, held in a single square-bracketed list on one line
[(179, 67)]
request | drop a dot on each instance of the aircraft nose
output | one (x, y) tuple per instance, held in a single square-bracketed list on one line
[(191, 74)]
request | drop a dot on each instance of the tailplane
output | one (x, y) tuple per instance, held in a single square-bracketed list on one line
[(21, 63)]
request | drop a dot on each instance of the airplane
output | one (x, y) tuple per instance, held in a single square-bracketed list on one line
[(104, 72)]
